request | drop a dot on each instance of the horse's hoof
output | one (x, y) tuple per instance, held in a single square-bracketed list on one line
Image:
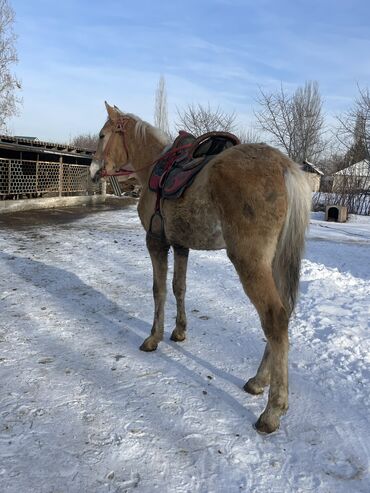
[(267, 426), (252, 388), (178, 337), (149, 345)]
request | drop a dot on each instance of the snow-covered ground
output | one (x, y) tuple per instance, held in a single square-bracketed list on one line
[(83, 410)]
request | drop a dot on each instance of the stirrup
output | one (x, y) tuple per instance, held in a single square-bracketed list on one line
[(156, 226)]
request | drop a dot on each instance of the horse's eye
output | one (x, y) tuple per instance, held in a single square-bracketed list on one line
[(101, 136)]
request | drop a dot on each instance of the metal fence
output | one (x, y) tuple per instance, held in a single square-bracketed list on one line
[(29, 179)]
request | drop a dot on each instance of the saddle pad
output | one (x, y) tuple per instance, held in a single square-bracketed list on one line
[(179, 179)]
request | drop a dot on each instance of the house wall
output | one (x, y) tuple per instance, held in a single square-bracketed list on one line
[(314, 181), (350, 182)]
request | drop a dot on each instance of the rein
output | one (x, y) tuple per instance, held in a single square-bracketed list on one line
[(122, 172)]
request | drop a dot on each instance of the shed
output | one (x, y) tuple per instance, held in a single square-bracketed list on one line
[(30, 168)]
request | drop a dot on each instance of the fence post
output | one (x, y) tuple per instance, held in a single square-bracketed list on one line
[(37, 175), (104, 188), (89, 184), (9, 176), (60, 176)]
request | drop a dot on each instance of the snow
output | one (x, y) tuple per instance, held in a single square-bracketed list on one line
[(83, 410)]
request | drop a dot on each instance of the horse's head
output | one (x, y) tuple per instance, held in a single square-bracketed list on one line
[(112, 152)]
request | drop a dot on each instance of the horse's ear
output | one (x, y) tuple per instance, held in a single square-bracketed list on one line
[(119, 112), (111, 111)]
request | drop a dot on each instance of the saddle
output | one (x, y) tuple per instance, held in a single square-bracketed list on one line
[(176, 170)]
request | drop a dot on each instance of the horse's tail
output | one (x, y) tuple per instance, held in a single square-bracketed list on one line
[(287, 260)]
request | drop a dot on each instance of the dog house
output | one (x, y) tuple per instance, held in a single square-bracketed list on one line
[(336, 213)]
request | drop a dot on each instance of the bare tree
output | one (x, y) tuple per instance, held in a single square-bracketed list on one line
[(9, 84), (333, 161), (199, 119), (351, 184), (86, 141), (248, 135), (353, 130), (294, 122), (161, 112)]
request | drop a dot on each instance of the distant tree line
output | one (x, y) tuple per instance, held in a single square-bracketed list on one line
[(295, 123), (87, 141), (292, 121)]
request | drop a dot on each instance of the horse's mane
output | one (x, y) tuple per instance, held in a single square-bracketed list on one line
[(142, 128)]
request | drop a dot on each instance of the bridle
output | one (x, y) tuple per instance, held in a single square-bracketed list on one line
[(120, 127)]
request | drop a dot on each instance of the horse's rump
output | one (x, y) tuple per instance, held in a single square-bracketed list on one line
[(260, 190)]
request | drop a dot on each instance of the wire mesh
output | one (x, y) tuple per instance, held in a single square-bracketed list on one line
[(20, 178)]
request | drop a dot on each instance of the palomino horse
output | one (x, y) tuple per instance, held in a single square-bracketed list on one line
[(250, 199)]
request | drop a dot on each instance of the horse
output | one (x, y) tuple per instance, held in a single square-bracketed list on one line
[(251, 200)]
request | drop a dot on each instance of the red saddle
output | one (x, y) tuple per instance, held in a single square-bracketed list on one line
[(175, 171)]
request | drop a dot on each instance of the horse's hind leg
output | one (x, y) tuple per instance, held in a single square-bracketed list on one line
[(158, 251), (179, 287), (257, 279), (256, 385)]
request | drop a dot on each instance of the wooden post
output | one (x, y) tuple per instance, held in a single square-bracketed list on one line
[(104, 188)]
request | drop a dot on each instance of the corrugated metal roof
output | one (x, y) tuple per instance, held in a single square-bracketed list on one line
[(313, 166), (32, 144)]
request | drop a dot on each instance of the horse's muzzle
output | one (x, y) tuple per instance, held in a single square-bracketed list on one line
[(97, 177)]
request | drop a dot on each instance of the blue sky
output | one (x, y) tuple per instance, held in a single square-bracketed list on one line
[(73, 55)]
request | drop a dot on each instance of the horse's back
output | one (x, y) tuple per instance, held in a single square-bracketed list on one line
[(255, 165)]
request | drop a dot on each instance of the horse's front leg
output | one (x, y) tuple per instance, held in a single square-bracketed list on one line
[(158, 250), (181, 255)]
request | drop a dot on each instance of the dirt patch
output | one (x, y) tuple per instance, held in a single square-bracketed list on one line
[(62, 215)]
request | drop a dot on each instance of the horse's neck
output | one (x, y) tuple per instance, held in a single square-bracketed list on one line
[(145, 154)]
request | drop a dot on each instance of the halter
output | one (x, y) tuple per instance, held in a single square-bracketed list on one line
[(121, 127)]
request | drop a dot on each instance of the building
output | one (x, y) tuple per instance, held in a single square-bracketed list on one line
[(313, 175), (30, 168), (355, 178)]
